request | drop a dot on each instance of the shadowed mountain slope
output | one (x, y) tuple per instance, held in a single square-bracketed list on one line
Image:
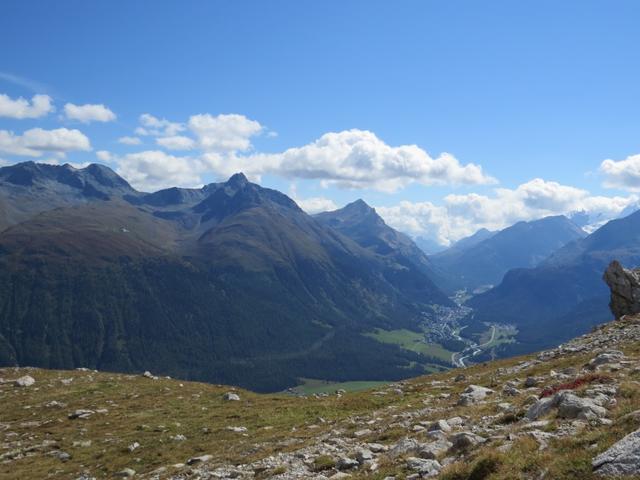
[(229, 283)]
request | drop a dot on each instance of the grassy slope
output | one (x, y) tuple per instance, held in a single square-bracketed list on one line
[(412, 341), (152, 411), (311, 386)]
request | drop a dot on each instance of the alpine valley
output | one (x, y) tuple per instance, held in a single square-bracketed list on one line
[(233, 283)]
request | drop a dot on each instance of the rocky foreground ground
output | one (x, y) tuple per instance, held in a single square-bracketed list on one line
[(570, 412)]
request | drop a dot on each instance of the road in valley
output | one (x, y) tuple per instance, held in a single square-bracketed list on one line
[(471, 351)]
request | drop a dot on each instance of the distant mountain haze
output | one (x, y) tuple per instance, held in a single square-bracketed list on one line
[(564, 295), (485, 257)]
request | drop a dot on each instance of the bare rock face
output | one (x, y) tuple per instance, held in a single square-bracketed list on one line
[(625, 289)]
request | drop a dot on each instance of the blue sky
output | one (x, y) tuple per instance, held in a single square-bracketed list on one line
[(541, 90)]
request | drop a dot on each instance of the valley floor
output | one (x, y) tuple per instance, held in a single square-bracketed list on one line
[(545, 416)]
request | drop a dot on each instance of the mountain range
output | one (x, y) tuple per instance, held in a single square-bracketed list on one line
[(564, 295), (482, 259), (228, 283)]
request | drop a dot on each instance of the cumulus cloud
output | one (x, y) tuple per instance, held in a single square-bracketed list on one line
[(88, 113), (624, 174), (176, 142), (157, 127), (129, 140), (152, 170), (462, 215), (225, 132), (21, 108), (34, 142), (312, 205), (359, 159), (104, 155)]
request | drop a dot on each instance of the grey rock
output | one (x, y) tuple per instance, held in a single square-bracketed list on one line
[(364, 455), (440, 425), (625, 289), (541, 408), (435, 449), (126, 473), (465, 440), (623, 458), (231, 397), (25, 381), (425, 467), (82, 414), (346, 463), (403, 447), (573, 407), (608, 357), (200, 459), (473, 394)]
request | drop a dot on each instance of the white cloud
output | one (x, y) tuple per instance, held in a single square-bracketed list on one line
[(624, 174), (129, 140), (104, 155), (21, 108), (89, 113), (176, 142), (462, 215), (359, 159), (312, 205), (154, 169), (34, 142), (153, 126), (224, 133)]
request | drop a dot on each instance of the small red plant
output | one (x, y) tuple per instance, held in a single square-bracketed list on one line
[(573, 384)]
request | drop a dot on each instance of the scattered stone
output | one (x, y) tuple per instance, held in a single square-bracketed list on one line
[(237, 429), (231, 397), (82, 414), (440, 425), (363, 455), (473, 394), (425, 467), (404, 447), (200, 459), (126, 473), (572, 406), (435, 449), (465, 440), (133, 447), (346, 463), (25, 381)]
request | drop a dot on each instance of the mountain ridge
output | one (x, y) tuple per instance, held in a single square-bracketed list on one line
[(130, 277)]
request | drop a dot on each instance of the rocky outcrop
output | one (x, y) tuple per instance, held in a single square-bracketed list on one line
[(623, 458), (625, 289)]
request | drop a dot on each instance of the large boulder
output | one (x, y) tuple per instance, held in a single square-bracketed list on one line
[(625, 289), (622, 459)]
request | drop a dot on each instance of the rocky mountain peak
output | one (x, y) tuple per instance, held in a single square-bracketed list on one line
[(359, 206), (237, 180), (625, 289)]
